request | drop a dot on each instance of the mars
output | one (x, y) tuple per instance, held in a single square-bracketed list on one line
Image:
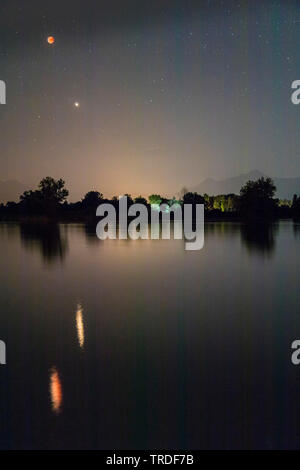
[(50, 40)]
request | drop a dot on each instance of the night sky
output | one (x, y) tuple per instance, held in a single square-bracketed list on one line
[(169, 92)]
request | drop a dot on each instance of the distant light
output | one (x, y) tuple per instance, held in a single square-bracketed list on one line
[(55, 390), (79, 325), (50, 40), (76, 104)]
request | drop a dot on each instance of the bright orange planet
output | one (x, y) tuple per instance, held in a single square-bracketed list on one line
[(50, 40)]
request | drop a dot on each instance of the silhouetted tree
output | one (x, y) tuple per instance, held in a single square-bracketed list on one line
[(32, 202), (257, 199), (193, 198), (140, 200), (92, 199), (296, 207), (52, 189), (129, 199), (46, 199)]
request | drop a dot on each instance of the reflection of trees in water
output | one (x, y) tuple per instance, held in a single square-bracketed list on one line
[(296, 229), (90, 232), (259, 238), (52, 244), (46, 238), (91, 235), (9, 230), (222, 228)]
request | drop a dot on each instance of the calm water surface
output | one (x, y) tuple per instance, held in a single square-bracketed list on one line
[(143, 345)]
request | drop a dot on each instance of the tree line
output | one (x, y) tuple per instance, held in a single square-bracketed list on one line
[(256, 200)]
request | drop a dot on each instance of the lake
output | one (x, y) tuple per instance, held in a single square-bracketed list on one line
[(123, 344)]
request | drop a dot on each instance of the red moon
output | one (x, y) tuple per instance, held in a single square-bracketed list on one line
[(50, 40)]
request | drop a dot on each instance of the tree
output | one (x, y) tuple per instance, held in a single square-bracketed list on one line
[(296, 207), (92, 199), (285, 203), (174, 201), (129, 199), (233, 202), (193, 198), (155, 199), (209, 201), (32, 202), (140, 200), (226, 202), (263, 188), (257, 198), (53, 190), (45, 200)]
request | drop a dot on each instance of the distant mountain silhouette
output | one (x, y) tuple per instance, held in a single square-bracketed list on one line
[(11, 190), (286, 187)]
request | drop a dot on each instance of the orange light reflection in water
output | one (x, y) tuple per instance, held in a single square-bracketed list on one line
[(55, 390), (80, 325)]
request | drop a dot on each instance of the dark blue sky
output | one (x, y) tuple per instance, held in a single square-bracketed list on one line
[(170, 93)]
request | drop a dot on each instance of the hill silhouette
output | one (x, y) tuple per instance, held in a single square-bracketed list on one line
[(286, 187)]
